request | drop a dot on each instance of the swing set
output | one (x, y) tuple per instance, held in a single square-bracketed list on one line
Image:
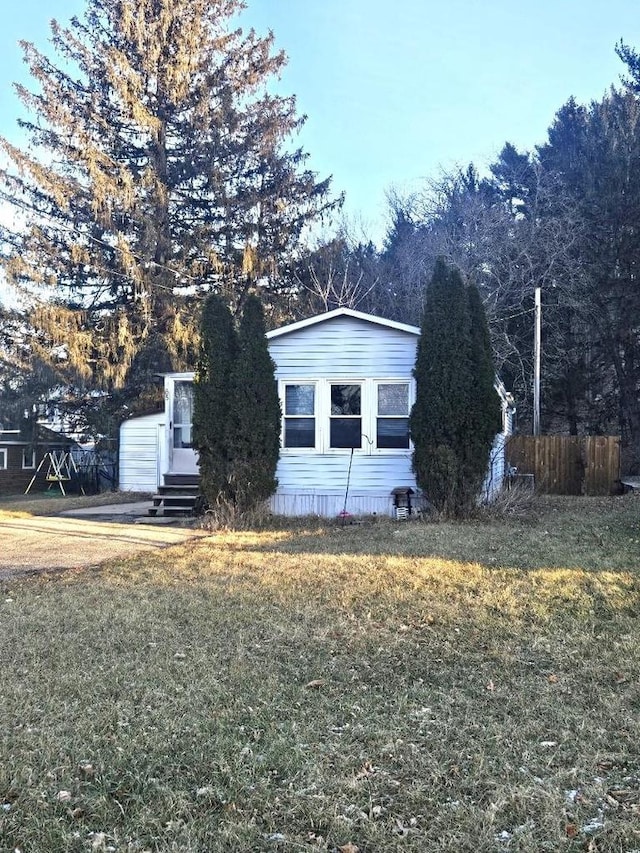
[(61, 464)]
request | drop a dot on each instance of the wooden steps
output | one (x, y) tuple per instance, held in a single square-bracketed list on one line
[(180, 496)]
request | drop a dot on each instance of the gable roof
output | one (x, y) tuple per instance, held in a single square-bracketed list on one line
[(43, 436), (342, 312)]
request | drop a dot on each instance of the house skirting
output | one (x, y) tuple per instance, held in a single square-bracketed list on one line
[(330, 504)]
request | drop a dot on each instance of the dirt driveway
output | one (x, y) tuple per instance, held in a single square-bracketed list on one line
[(38, 543)]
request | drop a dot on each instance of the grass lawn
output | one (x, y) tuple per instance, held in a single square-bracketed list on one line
[(384, 687)]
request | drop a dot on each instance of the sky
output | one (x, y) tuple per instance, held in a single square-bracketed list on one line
[(397, 92)]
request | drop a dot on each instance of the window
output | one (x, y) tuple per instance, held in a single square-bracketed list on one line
[(182, 414), (333, 416), (345, 426), (3, 458), (28, 458), (299, 416), (392, 422)]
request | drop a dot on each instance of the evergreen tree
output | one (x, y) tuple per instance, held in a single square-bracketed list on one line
[(594, 153), (159, 165), (456, 412), (214, 399), (483, 411), (254, 441)]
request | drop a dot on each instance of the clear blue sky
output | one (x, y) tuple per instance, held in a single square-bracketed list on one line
[(396, 91)]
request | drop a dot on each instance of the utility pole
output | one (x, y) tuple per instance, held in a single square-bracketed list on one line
[(537, 344)]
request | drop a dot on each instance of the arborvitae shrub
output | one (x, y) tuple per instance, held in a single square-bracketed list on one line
[(214, 399), (457, 410), (255, 435)]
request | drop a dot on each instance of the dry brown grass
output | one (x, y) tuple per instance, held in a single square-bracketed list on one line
[(413, 687)]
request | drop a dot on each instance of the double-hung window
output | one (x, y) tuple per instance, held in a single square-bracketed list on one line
[(345, 421), (392, 420), (299, 415)]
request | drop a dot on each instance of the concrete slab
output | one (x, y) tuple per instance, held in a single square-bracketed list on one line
[(134, 508), (157, 519)]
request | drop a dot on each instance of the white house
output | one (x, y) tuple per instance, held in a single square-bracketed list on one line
[(346, 389)]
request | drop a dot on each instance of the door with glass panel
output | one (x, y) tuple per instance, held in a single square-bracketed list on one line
[(184, 459)]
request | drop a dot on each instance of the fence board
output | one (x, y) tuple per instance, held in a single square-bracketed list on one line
[(568, 464)]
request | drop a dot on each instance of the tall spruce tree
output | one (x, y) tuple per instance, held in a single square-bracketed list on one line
[(214, 399), (159, 165), (456, 412), (254, 441)]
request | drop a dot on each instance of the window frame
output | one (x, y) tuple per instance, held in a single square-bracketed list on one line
[(4, 458), (410, 384), (362, 417), (282, 391), (33, 460), (178, 420), (368, 415)]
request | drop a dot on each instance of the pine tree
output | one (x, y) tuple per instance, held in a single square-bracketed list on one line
[(214, 399), (255, 435), (159, 166), (593, 153), (454, 418)]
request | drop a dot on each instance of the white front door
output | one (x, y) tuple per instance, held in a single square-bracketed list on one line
[(183, 458)]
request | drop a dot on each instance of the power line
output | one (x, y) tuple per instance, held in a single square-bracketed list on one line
[(522, 313)]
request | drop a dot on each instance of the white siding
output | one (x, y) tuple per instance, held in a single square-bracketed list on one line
[(329, 504), (497, 457), (316, 484), (495, 471), (344, 348), (329, 471), (350, 349), (139, 453)]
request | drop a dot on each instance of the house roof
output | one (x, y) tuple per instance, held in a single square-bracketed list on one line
[(11, 436), (342, 312), (44, 436)]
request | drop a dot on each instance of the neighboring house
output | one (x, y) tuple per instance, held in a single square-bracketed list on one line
[(21, 456), (346, 388)]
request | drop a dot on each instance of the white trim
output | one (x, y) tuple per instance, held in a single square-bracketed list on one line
[(363, 417), (32, 465), (179, 460), (3, 458), (282, 384), (410, 383), (342, 312), (161, 452), (186, 376), (368, 415), (182, 377)]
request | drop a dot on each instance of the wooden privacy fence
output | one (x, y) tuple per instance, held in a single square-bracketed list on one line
[(567, 464)]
